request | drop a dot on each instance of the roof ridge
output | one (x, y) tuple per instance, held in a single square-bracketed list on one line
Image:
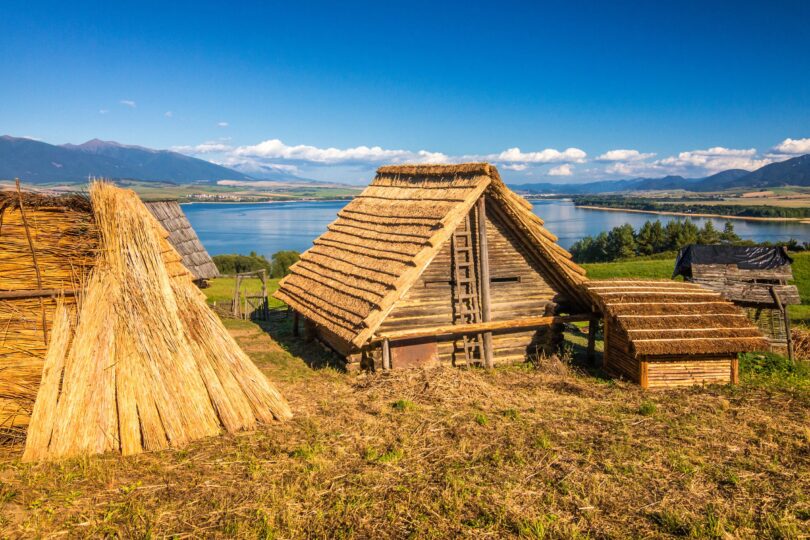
[(436, 169)]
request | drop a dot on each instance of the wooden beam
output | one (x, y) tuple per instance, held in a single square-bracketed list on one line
[(36, 293), (786, 319), (483, 262), (492, 326), (386, 355), (593, 324)]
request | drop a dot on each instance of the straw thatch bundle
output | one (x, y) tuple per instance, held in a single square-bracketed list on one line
[(46, 243), (801, 342), (668, 318), (147, 365)]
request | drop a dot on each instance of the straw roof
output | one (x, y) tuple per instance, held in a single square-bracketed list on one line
[(145, 364), (664, 318), (59, 256), (384, 239), (184, 239)]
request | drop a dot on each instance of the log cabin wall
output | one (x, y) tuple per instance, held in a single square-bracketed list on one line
[(518, 290)]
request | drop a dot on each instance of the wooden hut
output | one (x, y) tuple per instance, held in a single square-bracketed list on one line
[(664, 333), (753, 277), (436, 264), (184, 239)]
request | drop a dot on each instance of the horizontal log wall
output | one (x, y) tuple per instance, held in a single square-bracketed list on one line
[(669, 372)]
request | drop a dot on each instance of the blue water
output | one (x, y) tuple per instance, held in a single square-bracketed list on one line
[(269, 227)]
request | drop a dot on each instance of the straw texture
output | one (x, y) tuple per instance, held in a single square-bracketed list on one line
[(149, 365), (183, 238), (62, 234), (665, 318), (384, 239)]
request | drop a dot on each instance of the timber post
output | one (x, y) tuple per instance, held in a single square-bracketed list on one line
[(784, 312), (386, 355), (593, 326), (483, 260)]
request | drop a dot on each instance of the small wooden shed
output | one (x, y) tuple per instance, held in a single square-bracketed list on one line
[(753, 277), (663, 333), (436, 263), (184, 239)]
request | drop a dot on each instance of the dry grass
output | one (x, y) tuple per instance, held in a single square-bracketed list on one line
[(537, 453)]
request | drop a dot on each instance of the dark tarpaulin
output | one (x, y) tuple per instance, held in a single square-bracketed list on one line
[(745, 257)]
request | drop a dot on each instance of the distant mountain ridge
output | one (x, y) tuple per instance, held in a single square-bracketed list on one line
[(792, 172), (37, 162)]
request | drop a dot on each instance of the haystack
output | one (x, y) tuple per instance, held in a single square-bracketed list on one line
[(667, 333), (47, 247), (143, 364)]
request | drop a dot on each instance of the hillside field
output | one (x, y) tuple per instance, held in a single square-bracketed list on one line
[(547, 450)]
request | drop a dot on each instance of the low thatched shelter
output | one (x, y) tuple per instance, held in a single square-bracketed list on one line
[(436, 263), (184, 239), (667, 333), (118, 350), (755, 278)]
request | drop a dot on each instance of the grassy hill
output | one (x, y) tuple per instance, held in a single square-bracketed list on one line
[(547, 450)]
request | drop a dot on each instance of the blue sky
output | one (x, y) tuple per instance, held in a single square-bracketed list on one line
[(550, 91)]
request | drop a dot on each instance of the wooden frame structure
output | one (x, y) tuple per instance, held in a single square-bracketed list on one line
[(755, 278), (241, 304), (436, 264), (663, 334)]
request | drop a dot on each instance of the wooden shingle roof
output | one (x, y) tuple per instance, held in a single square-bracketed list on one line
[(384, 238), (665, 318), (184, 239)]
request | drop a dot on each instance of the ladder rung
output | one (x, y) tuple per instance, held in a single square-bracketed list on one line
[(463, 248), (464, 264)]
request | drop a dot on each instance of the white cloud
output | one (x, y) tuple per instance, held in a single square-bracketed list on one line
[(222, 124), (561, 170), (515, 166), (103, 111), (623, 155), (276, 149), (716, 159), (549, 155), (129, 103), (210, 147), (168, 114), (793, 146)]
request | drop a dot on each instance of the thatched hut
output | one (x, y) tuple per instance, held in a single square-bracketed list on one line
[(753, 277), (663, 333), (117, 350), (184, 239), (47, 248), (436, 264)]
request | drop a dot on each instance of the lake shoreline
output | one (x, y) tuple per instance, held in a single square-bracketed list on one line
[(803, 221)]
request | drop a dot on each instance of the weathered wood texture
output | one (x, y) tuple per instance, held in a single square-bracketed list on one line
[(184, 239)]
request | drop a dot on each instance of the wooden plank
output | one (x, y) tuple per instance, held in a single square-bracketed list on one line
[(386, 355), (458, 329), (483, 261), (37, 293)]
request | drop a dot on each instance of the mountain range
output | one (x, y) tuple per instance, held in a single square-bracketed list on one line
[(38, 162), (792, 172)]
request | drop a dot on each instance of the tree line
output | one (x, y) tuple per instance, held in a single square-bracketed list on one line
[(277, 267), (624, 242), (667, 205)]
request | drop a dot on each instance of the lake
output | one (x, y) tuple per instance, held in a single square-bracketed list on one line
[(269, 227)]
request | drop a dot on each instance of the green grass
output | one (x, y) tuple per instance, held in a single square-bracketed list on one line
[(221, 290), (652, 268)]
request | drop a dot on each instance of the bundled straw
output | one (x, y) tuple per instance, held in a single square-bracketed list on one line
[(45, 243), (149, 365)]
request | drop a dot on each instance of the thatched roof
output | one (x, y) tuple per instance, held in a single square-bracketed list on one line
[(184, 239), (663, 318), (384, 239)]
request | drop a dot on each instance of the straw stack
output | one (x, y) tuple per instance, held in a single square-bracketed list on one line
[(45, 243), (149, 365)]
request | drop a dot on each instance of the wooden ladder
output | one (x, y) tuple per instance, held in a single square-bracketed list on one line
[(465, 293)]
